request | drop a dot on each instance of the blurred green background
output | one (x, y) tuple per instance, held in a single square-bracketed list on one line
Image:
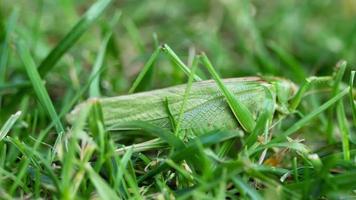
[(288, 38)]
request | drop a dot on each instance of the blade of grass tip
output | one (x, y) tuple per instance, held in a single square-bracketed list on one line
[(94, 89), (155, 40), (173, 56), (147, 80), (352, 101), (302, 122), (39, 87), (185, 97), (72, 36), (343, 126), (241, 112), (145, 69), (102, 187), (341, 66), (9, 124), (246, 188)]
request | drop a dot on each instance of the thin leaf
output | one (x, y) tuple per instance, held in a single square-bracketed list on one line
[(295, 67), (343, 126), (341, 67), (9, 124), (4, 48), (302, 122), (245, 188), (352, 100), (264, 118), (102, 187), (122, 167), (72, 36), (145, 70), (39, 87), (185, 98), (165, 135), (94, 89), (192, 147)]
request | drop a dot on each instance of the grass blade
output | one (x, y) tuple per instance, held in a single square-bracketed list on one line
[(4, 48), (308, 82), (69, 160), (343, 126), (36, 159), (122, 167), (245, 188), (192, 147), (185, 98), (296, 69), (39, 87), (104, 190), (136, 84), (263, 119), (310, 116), (94, 89), (341, 66), (8, 124), (352, 101), (165, 135), (72, 36)]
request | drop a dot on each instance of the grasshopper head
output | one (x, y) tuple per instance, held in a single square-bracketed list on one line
[(285, 90)]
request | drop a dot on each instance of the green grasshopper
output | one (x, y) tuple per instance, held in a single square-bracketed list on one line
[(247, 104), (206, 108)]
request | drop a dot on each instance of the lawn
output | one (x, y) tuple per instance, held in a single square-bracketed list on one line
[(286, 130)]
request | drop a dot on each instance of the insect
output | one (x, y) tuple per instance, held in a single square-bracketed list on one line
[(206, 108), (247, 104)]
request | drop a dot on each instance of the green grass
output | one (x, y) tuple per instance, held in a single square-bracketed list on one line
[(54, 55)]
